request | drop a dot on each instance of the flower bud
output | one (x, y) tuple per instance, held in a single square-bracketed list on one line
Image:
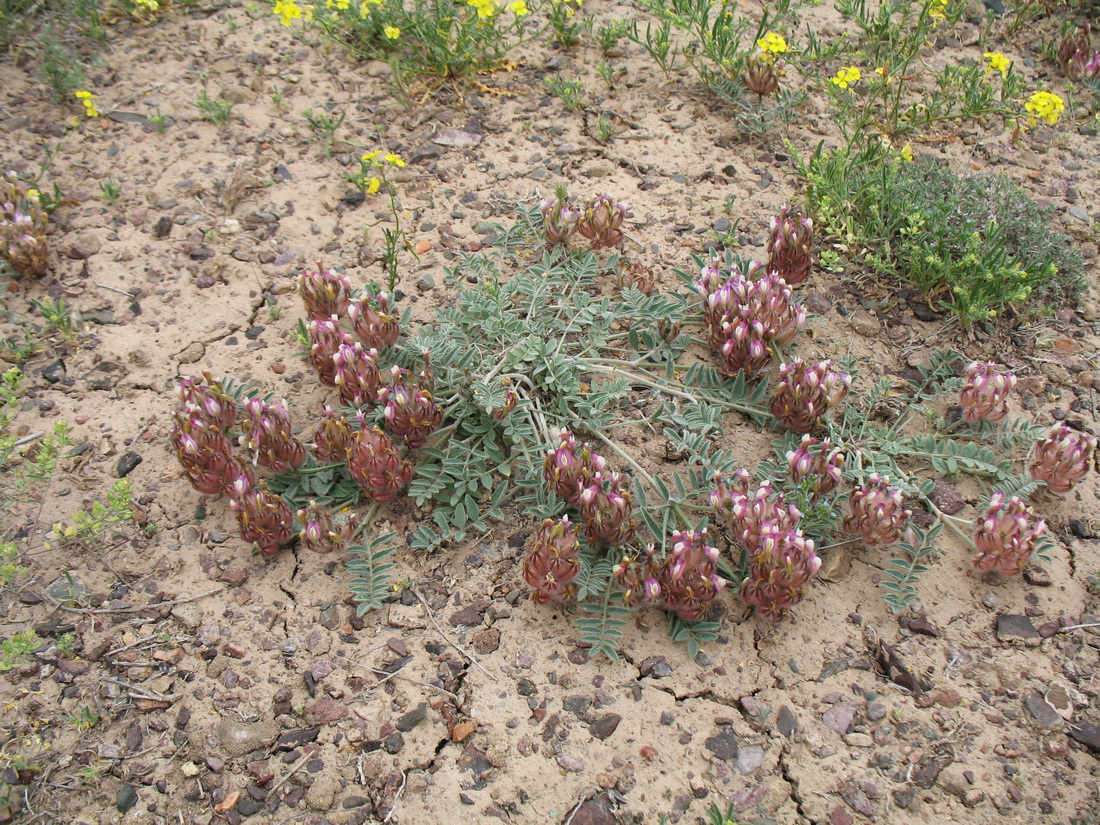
[(789, 241), (320, 533), (324, 293), (208, 400), (1006, 535), (268, 437), (333, 437), (326, 338), (606, 508), (376, 328), (357, 375), (821, 468), (1062, 458), (264, 518), (687, 579), (551, 563), (410, 411), (375, 463), (762, 72), (878, 514), (559, 221), (602, 221), (806, 392), (984, 394)]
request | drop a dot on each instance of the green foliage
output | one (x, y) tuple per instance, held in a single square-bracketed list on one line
[(90, 524), (692, 633), (218, 112), (325, 126), (329, 485), (83, 719), (16, 651), (110, 190), (371, 573), (902, 574), (58, 317), (569, 92), (976, 246), (428, 38), (59, 68)]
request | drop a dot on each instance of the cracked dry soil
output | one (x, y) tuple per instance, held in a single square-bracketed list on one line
[(234, 688)]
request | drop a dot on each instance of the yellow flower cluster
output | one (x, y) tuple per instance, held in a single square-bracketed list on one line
[(88, 99), (772, 44), (937, 10), (1044, 106), (148, 5), (847, 76), (518, 8), (996, 62), (342, 5), (364, 7), (392, 32), (485, 8), (288, 11)]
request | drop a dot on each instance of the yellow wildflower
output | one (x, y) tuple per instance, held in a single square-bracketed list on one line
[(906, 153), (150, 5), (518, 8), (393, 159), (937, 10), (370, 156), (846, 76), (364, 7), (392, 32), (1044, 106), (772, 44), (997, 62), (88, 99), (33, 194), (485, 8), (372, 185), (287, 10)]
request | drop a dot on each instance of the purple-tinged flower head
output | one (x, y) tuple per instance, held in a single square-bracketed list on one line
[(1077, 58), (205, 453), (1006, 535), (1062, 458), (637, 574), (752, 511), (789, 240), (376, 464), (208, 399), (552, 563), (321, 533), (264, 518), (357, 375), (606, 508), (762, 73), (643, 278), (409, 410), (333, 437), (806, 392), (23, 223), (745, 316), (559, 220), (878, 514), (376, 328), (984, 394), (324, 293), (569, 468), (269, 438), (326, 338), (687, 579), (778, 572), (818, 463), (511, 398), (602, 221)]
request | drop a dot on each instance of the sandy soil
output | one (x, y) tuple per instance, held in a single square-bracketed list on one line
[(256, 693)]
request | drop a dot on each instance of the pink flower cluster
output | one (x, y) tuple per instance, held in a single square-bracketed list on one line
[(599, 221), (878, 514), (806, 392), (781, 559), (583, 480), (985, 391), (685, 582), (22, 228), (746, 317), (1006, 535)]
